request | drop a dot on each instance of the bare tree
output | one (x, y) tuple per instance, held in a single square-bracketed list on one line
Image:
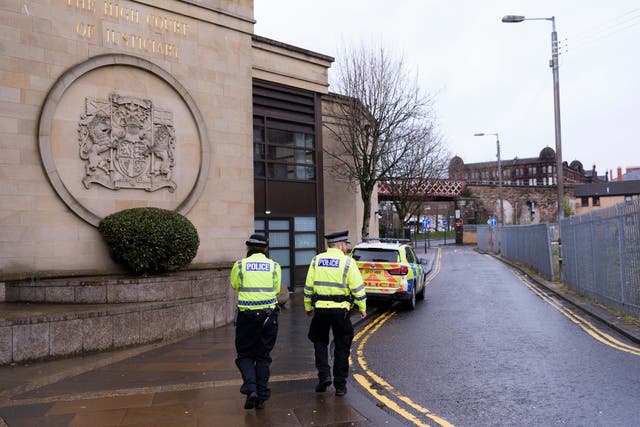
[(407, 181), (381, 115)]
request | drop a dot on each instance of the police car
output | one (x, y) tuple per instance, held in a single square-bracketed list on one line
[(391, 270)]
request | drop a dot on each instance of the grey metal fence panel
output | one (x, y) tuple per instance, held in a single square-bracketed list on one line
[(529, 245), (483, 238), (601, 255), (488, 239)]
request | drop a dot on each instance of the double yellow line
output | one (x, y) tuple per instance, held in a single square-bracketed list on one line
[(380, 389), (582, 322), (384, 392)]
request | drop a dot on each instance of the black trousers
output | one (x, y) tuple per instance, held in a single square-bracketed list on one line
[(255, 338), (336, 319)]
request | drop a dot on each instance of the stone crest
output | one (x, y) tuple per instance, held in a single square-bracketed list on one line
[(127, 143)]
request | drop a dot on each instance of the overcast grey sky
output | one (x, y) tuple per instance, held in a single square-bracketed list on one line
[(487, 76)]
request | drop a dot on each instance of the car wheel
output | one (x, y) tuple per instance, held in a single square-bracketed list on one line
[(410, 304), (424, 288)]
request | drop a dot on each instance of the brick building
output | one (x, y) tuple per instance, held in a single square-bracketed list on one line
[(601, 195), (529, 187)]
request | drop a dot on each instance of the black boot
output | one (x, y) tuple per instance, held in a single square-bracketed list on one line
[(322, 385), (251, 401), (341, 391)]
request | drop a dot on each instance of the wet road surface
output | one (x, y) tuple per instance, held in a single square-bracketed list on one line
[(484, 350)]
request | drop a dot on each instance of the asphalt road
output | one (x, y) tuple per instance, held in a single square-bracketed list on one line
[(484, 350)]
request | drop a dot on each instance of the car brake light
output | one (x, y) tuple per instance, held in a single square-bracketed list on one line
[(400, 271)]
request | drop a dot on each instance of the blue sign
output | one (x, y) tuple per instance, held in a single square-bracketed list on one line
[(493, 220), (444, 222)]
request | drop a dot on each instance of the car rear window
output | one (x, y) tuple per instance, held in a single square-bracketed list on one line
[(375, 255)]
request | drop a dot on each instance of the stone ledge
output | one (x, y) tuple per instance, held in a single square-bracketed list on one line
[(116, 290), (42, 331)]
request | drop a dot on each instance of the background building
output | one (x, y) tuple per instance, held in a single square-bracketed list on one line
[(589, 197), (631, 173), (529, 187)]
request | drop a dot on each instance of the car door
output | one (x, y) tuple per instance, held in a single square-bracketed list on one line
[(416, 267)]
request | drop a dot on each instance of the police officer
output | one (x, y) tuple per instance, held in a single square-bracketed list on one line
[(333, 284), (257, 280)]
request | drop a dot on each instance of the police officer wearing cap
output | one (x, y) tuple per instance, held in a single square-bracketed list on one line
[(256, 278), (333, 284)]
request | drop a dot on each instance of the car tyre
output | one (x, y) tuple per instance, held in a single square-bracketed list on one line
[(423, 290), (410, 304)]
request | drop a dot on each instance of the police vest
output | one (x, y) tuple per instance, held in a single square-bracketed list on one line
[(334, 281), (257, 280)]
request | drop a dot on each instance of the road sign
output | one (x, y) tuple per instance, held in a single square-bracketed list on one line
[(444, 222), (493, 220)]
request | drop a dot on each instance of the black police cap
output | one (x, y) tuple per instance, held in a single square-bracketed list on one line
[(257, 240), (339, 236)]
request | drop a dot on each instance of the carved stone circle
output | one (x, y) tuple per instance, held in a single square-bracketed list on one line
[(124, 141)]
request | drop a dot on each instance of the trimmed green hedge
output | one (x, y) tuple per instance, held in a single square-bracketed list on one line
[(150, 240)]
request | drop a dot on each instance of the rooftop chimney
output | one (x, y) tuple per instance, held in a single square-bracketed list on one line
[(619, 173)]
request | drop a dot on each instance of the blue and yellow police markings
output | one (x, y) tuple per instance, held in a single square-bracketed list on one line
[(381, 389)]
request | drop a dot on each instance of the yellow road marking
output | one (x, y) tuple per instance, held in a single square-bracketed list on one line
[(373, 378), (388, 402), (592, 330), (436, 268), (583, 323)]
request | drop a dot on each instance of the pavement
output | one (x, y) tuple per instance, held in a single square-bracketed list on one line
[(191, 381)]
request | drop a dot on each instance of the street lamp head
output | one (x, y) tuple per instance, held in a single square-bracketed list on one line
[(478, 134), (512, 18)]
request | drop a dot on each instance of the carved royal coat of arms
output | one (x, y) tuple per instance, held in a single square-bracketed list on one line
[(127, 143)]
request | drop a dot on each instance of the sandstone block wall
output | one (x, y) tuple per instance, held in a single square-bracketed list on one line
[(206, 48)]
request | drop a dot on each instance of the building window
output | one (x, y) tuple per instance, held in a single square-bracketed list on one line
[(584, 201), (628, 200), (595, 200), (282, 153)]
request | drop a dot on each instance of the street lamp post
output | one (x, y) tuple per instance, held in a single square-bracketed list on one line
[(499, 173), (556, 102)]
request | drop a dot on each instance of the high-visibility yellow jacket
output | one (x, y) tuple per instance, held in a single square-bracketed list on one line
[(332, 274), (257, 280)]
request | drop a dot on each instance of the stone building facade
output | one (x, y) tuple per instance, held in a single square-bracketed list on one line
[(112, 105), (108, 105)]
